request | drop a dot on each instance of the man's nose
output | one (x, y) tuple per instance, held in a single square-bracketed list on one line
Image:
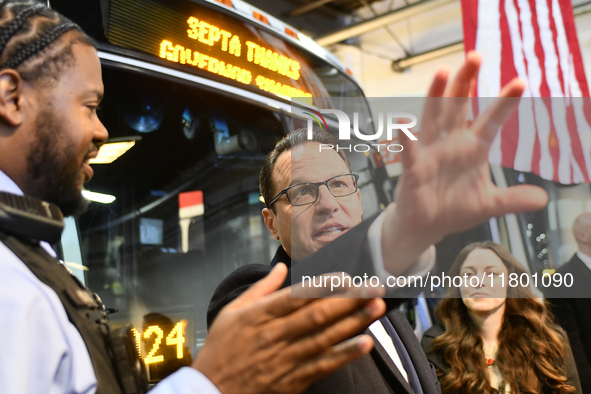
[(326, 202), (101, 135)]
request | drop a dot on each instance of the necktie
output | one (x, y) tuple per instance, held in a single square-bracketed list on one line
[(413, 378)]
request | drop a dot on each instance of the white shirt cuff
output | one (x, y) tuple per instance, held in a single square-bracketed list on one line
[(185, 380), (425, 263)]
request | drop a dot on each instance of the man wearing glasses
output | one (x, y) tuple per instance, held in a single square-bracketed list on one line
[(323, 202), (312, 200)]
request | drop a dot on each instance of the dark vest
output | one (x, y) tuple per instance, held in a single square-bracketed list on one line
[(82, 309)]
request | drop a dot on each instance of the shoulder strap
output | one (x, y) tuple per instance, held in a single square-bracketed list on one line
[(84, 312)]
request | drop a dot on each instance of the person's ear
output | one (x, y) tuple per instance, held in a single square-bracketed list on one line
[(11, 85), (582, 236), (270, 221)]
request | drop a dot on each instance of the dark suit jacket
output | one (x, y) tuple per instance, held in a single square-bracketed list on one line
[(572, 309), (438, 361), (372, 374)]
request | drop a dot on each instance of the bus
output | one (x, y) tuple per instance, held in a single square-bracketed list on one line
[(196, 94)]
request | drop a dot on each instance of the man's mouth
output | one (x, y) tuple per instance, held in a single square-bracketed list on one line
[(330, 231), (88, 171)]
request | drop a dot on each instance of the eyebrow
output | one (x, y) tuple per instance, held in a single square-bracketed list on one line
[(94, 92), (297, 181)]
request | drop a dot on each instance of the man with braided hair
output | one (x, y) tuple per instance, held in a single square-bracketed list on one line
[(53, 333)]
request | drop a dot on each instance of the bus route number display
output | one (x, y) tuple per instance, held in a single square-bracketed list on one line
[(206, 40), (154, 338)]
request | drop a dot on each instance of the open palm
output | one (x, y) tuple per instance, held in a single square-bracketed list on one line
[(446, 186)]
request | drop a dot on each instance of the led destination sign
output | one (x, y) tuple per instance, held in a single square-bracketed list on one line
[(214, 44), (175, 338)]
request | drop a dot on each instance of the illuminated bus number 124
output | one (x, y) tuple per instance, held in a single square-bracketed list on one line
[(175, 338)]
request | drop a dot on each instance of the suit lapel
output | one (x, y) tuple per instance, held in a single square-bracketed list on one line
[(383, 361), (415, 352), (387, 367), (583, 271)]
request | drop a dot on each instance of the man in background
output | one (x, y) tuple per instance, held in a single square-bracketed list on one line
[(572, 306)]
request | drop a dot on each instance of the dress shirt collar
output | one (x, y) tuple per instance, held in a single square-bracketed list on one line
[(585, 259), (8, 185)]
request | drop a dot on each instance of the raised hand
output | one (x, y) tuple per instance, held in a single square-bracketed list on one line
[(268, 342), (446, 186)]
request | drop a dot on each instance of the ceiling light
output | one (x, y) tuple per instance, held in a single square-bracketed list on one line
[(98, 197), (111, 151)]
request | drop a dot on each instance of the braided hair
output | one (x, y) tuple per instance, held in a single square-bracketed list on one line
[(29, 41)]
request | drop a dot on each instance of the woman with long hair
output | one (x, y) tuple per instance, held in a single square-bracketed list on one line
[(495, 338)]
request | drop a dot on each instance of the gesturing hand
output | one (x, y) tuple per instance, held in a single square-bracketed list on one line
[(268, 342), (446, 186)]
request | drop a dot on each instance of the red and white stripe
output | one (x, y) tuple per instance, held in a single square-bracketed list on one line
[(536, 41)]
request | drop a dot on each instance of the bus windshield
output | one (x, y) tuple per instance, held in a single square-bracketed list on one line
[(177, 180)]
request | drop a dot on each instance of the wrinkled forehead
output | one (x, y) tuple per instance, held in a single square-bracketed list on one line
[(313, 162)]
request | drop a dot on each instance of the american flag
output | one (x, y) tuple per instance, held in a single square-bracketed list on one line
[(536, 41)]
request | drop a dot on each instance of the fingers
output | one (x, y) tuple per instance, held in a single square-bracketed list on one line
[(331, 360), (408, 154), (292, 298), (448, 114), (439, 83), (267, 285), (522, 198), (514, 88), (458, 94), (312, 345), (429, 124), (357, 346), (281, 303), (462, 83), (488, 123), (331, 320)]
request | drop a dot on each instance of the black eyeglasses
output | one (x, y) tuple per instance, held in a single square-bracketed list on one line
[(307, 193)]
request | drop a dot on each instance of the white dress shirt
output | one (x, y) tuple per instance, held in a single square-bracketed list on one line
[(41, 351), (425, 265)]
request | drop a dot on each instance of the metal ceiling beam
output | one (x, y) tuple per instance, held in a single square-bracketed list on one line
[(402, 64), (380, 21), (388, 30), (307, 8)]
